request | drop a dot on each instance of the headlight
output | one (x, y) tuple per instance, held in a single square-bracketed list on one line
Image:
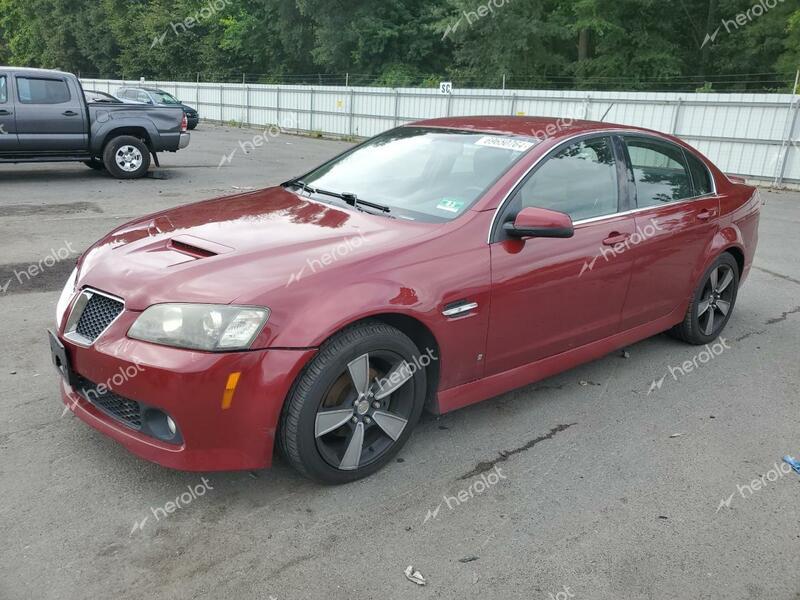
[(200, 326), (66, 296)]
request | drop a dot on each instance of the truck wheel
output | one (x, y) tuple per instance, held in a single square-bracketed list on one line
[(127, 157), (95, 164)]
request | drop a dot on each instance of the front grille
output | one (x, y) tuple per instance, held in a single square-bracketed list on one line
[(128, 412), (98, 314)]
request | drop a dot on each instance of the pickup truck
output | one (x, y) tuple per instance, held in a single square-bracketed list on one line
[(44, 117)]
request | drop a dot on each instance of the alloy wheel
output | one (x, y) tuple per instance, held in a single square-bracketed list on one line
[(129, 158), (717, 297), (365, 411)]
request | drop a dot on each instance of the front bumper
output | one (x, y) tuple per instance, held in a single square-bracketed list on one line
[(189, 386), (184, 141)]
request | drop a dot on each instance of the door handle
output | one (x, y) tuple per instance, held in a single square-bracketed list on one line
[(705, 215), (5, 113), (614, 238), (70, 113)]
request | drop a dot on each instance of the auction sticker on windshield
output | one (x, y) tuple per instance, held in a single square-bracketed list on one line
[(449, 205), (505, 143)]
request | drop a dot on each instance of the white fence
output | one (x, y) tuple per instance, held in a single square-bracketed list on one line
[(753, 135)]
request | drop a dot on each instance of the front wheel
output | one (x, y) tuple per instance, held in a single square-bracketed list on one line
[(712, 303), (354, 406), (127, 157)]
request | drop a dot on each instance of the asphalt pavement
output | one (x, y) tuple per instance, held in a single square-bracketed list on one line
[(596, 483)]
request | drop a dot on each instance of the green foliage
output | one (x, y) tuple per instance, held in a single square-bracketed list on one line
[(571, 44)]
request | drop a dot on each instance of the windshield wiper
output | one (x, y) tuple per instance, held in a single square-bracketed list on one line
[(348, 197), (355, 202), (298, 183)]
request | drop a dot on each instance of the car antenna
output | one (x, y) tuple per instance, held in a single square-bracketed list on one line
[(605, 114)]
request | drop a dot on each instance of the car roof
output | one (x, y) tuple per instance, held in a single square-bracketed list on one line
[(140, 87), (34, 71), (551, 127)]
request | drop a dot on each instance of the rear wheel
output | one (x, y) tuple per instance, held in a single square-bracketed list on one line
[(354, 406), (127, 157), (712, 303)]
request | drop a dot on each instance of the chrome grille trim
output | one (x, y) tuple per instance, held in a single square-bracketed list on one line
[(78, 308)]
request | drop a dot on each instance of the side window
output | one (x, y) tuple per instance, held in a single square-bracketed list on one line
[(42, 91), (581, 180), (3, 90), (660, 171), (143, 97), (701, 178)]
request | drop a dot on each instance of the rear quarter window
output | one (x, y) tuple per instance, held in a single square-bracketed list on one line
[(3, 90), (701, 177)]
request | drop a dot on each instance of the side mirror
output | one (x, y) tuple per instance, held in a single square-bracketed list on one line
[(540, 222)]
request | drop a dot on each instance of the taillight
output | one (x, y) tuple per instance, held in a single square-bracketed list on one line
[(184, 123)]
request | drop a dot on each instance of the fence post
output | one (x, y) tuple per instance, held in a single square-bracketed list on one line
[(221, 103), (514, 104), (311, 115), (247, 102), (586, 106), (449, 102), (789, 144), (396, 106), (278, 108), (352, 110), (676, 116), (788, 138)]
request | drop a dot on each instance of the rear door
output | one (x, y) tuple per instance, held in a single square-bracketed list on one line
[(50, 115), (8, 129), (676, 220)]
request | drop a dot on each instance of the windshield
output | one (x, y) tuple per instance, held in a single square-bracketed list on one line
[(422, 173), (165, 98)]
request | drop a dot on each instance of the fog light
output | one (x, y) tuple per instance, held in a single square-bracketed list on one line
[(160, 425)]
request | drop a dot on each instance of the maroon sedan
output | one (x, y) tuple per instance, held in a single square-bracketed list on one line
[(433, 266)]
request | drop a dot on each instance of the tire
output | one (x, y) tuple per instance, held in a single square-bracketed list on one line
[(711, 303), (95, 164), (324, 413), (127, 157)]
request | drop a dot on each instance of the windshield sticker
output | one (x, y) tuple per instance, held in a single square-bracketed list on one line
[(504, 143), (449, 205)]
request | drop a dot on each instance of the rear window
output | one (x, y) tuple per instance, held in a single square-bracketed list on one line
[(42, 91)]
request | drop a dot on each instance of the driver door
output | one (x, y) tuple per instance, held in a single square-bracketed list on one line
[(553, 295), (8, 130)]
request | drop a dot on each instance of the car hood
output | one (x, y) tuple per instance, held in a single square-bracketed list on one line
[(243, 249)]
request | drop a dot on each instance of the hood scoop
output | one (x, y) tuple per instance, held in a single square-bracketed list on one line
[(174, 251), (197, 247)]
